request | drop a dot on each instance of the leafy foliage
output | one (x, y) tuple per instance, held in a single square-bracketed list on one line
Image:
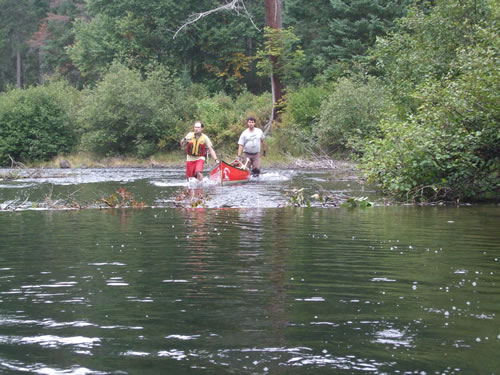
[(216, 50), (449, 148), (18, 20), (219, 51), (425, 43), (350, 115), (225, 117), (128, 115), (53, 36), (36, 123), (296, 198), (122, 198), (281, 46), (303, 106), (357, 202), (333, 32)]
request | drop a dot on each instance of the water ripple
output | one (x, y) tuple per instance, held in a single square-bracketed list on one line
[(52, 341), (44, 370)]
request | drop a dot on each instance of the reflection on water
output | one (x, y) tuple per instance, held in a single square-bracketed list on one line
[(253, 290)]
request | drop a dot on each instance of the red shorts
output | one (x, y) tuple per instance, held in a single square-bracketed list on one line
[(193, 167)]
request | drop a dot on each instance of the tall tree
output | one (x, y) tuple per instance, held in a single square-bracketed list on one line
[(336, 31), (137, 33), (18, 20), (273, 11), (54, 36), (274, 21)]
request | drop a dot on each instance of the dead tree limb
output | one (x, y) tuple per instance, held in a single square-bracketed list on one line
[(273, 10), (16, 164), (234, 5)]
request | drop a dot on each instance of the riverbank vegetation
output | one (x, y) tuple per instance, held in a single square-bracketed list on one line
[(408, 90)]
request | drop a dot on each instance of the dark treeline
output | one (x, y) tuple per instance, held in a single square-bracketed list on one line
[(407, 88)]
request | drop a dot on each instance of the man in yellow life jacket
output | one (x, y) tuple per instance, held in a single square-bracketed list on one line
[(197, 144)]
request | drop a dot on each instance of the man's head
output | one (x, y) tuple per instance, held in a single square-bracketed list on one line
[(251, 122), (198, 127)]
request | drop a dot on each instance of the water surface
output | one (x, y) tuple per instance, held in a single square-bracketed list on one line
[(250, 290), (159, 187)]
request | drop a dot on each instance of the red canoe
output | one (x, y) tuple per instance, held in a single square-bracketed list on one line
[(230, 173)]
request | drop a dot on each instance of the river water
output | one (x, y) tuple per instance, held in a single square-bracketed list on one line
[(243, 283)]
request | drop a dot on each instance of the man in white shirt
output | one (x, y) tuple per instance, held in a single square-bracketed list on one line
[(250, 144)]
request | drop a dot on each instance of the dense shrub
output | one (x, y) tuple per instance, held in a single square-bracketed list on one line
[(36, 123), (450, 148), (424, 44), (127, 114), (225, 117), (303, 106), (351, 113)]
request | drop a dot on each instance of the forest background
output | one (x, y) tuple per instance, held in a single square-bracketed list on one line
[(408, 89)]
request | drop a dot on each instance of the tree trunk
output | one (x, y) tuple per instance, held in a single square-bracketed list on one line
[(18, 69), (40, 65), (273, 20)]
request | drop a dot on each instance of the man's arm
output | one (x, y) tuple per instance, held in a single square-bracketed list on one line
[(240, 150), (212, 152), (263, 146), (184, 141)]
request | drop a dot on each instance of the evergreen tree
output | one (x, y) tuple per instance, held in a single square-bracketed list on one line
[(335, 31), (18, 20), (214, 50), (59, 34)]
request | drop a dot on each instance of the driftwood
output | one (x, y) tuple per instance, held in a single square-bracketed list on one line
[(16, 164)]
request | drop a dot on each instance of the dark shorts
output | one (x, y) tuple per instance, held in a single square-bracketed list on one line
[(254, 160)]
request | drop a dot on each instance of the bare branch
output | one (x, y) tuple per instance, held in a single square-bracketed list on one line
[(233, 5), (249, 16), (14, 163)]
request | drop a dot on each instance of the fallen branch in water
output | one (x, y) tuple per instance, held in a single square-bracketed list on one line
[(323, 163), (16, 174), (62, 203), (121, 199), (11, 207), (190, 198)]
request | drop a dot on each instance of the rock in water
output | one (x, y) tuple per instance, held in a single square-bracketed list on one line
[(64, 164)]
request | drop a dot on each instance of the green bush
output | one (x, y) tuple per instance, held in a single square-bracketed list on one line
[(225, 118), (217, 113), (450, 147), (36, 123), (127, 114), (429, 163), (351, 113), (425, 42), (303, 107)]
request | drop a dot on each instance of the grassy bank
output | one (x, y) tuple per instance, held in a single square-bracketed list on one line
[(273, 159)]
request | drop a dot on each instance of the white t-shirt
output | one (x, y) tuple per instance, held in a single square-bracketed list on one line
[(251, 140)]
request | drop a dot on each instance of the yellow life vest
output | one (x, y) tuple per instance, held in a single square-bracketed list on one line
[(197, 147)]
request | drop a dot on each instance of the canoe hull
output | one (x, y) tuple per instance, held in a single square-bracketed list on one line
[(228, 174)]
